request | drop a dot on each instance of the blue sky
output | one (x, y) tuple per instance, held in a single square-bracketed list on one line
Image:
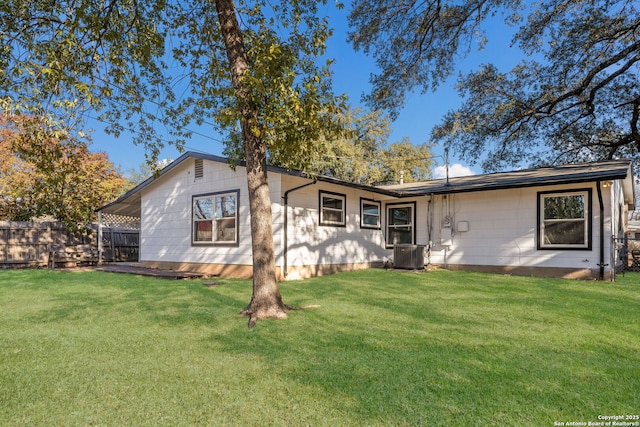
[(351, 76)]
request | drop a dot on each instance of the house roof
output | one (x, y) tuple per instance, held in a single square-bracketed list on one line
[(564, 174), (129, 203)]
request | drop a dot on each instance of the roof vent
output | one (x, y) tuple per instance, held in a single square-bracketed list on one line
[(198, 169)]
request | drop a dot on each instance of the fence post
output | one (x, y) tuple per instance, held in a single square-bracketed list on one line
[(113, 246), (99, 238)]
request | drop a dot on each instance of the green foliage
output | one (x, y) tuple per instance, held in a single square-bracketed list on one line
[(48, 173), (144, 63), (403, 160), (575, 98), (62, 57), (363, 155), (354, 156), (288, 91), (381, 348)]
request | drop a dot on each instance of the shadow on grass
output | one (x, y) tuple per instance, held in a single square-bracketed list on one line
[(164, 301), (508, 353), (381, 349)]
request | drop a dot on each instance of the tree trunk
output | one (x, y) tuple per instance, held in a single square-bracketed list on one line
[(266, 300)]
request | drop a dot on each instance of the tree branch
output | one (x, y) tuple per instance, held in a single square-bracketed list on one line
[(548, 107)]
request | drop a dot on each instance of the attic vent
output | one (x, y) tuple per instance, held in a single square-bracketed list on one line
[(198, 168)]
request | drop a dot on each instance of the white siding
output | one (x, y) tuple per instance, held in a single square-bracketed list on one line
[(502, 224), (310, 243), (502, 230), (166, 215)]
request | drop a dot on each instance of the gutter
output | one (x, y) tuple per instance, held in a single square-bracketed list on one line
[(285, 197), (600, 201)]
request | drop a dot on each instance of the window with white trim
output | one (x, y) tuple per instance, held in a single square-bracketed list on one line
[(333, 209), (369, 214), (400, 223), (215, 218), (564, 220)]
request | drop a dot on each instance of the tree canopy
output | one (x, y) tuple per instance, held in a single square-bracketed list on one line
[(360, 152), (363, 154), (141, 64), (576, 96), (45, 173)]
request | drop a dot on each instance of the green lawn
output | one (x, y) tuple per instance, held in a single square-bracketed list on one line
[(383, 348)]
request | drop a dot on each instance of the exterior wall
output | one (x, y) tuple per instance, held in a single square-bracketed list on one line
[(165, 240), (501, 236), (166, 220), (314, 249)]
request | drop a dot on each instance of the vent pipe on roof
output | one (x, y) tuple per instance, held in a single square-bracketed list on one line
[(401, 177), (446, 163)]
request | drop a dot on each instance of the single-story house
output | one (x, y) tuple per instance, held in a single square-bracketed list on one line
[(556, 221)]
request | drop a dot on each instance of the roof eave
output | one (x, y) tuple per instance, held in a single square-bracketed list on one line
[(620, 173)]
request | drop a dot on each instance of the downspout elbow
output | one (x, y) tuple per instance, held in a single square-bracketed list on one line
[(285, 198)]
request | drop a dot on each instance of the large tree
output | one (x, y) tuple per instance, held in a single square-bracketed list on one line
[(250, 68), (576, 96), (364, 155), (44, 173), (360, 153)]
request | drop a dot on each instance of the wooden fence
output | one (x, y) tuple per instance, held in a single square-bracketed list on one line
[(120, 244), (29, 244)]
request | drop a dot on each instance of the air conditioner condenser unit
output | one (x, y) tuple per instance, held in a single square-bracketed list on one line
[(409, 257)]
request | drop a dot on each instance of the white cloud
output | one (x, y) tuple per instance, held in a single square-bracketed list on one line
[(455, 169)]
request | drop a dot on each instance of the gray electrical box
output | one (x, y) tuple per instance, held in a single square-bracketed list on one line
[(410, 257)]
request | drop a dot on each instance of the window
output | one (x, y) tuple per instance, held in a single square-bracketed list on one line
[(400, 223), (369, 214), (333, 209), (215, 218), (564, 220)]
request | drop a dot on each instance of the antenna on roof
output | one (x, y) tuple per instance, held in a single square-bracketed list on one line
[(446, 163)]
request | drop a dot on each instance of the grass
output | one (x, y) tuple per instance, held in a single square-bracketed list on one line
[(383, 348)]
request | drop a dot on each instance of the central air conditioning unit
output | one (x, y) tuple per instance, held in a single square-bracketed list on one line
[(410, 257)]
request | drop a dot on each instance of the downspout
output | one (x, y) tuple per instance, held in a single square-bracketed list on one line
[(430, 208), (601, 264), (285, 197)]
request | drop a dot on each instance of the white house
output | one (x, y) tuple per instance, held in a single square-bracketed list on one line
[(557, 221)]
